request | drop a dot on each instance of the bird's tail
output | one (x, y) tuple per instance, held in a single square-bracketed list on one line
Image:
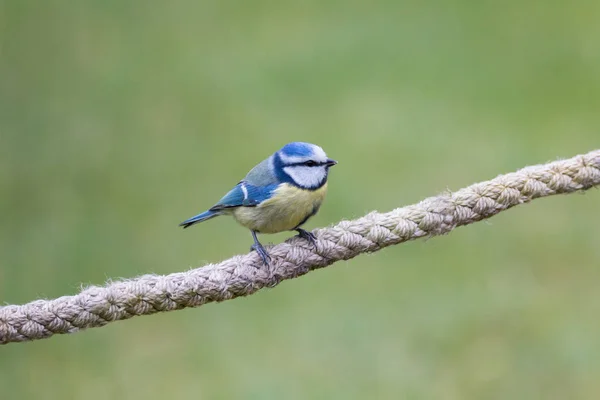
[(199, 218)]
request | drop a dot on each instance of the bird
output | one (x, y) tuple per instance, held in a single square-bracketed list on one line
[(279, 194)]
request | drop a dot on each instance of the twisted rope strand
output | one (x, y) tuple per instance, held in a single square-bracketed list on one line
[(243, 275)]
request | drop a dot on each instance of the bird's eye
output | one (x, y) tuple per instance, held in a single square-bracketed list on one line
[(310, 163)]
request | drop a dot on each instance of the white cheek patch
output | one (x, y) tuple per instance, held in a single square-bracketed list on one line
[(308, 177)]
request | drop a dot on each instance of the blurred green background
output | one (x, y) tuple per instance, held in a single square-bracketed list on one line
[(120, 119)]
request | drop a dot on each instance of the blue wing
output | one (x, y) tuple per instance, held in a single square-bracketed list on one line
[(245, 195)]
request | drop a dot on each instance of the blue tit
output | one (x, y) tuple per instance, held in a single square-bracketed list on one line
[(279, 194)]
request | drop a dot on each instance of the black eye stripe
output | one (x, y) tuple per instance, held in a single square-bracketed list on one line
[(306, 164)]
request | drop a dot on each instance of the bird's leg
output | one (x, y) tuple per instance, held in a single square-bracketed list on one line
[(307, 235), (260, 249)]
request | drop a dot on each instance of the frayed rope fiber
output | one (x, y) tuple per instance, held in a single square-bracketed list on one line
[(243, 275)]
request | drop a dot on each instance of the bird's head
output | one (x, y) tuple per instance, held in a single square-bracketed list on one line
[(303, 164)]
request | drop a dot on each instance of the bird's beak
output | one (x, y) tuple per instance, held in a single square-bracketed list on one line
[(330, 162)]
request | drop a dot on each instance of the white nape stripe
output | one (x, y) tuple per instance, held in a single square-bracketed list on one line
[(317, 155), (306, 177), (244, 190), (287, 160)]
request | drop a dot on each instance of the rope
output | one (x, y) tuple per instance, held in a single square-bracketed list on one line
[(243, 275)]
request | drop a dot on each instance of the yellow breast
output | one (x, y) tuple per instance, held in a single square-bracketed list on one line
[(285, 210)]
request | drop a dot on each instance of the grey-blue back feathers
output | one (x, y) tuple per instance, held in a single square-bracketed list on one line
[(263, 174)]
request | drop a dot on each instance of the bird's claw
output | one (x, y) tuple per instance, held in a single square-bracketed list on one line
[(312, 239), (261, 252)]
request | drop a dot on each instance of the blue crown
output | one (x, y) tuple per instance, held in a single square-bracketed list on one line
[(299, 149)]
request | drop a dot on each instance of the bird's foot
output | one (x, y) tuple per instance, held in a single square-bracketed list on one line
[(312, 239), (261, 252)]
